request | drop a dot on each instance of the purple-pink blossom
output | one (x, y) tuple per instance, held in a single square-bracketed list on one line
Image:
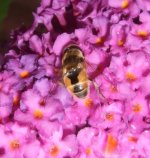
[(40, 118)]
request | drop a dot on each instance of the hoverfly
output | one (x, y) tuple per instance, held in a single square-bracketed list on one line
[(74, 71)]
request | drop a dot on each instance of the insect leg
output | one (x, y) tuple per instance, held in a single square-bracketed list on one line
[(101, 96)]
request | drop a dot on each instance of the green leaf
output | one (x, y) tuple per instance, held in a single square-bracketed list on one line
[(4, 5)]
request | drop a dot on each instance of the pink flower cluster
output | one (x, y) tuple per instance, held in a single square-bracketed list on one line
[(39, 118)]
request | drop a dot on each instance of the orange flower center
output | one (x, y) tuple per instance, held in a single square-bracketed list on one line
[(120, 42), (16, 100), (54, 151), (124, 4), (132, 139), (137, 108), (109, 116), (99, 40), (113, 88), (38, 114), (111, 144), (14, 144), (24, 74), (88, 151), (130, 76), (88, 102), (142, 33)]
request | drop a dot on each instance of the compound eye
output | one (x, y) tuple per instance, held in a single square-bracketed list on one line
[(81, 60)]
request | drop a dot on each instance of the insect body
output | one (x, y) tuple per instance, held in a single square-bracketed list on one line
[(74, 71)]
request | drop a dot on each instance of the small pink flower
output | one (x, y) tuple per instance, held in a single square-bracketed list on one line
[(36, 44), (138, 106), (145, 5), (8, 93), (61, 42), (77, 114), (126, 6), (108, 117), (37, 110), (40, 118), (63, 96), (119, 33), (45, 87), (129, 142), (90, 146), (142, 31), (60, 147), (14, 139)]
